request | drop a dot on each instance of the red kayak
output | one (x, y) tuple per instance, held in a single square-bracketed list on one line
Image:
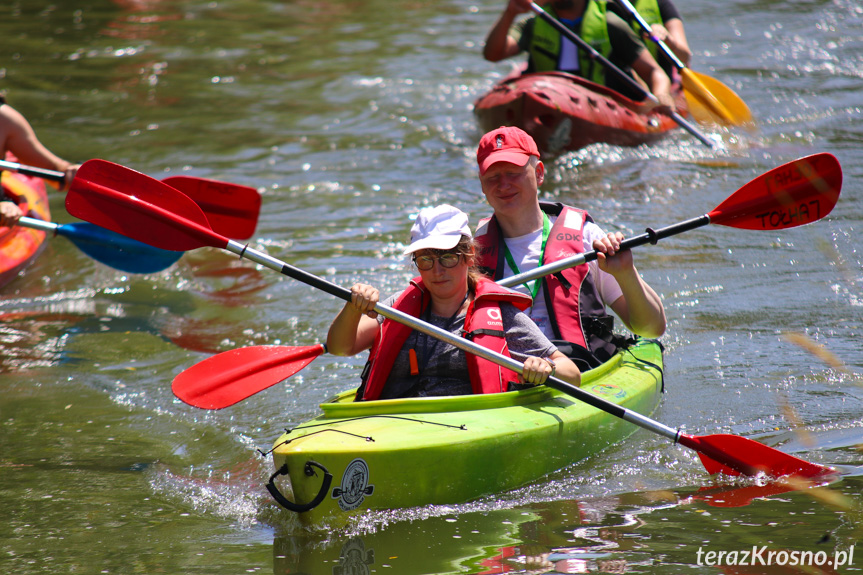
[(565, 113), (19, 246)]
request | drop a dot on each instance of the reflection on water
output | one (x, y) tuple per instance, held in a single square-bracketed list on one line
[(198, 317), (648, 531)]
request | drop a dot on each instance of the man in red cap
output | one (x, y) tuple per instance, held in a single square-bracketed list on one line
[(524, 233)]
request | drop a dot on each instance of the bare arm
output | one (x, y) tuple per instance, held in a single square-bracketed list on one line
[(353, 331), (674, 36), (499, 45), (639, 307), (655, 78), (20, 139)]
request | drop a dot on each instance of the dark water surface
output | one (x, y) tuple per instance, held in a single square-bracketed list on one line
[(349, 116)]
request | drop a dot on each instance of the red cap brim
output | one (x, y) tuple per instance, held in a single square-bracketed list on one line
[(508, 156)]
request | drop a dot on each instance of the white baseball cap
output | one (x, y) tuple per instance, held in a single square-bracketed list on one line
[(438, 228)]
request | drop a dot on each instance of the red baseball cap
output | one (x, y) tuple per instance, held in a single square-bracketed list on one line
[(506, 144)]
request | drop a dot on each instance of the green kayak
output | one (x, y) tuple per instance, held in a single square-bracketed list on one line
[(413, 452)]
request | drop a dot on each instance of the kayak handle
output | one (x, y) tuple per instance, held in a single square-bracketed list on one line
[(300, 507)]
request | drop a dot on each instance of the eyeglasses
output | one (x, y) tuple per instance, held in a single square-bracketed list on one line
[(447, 260)]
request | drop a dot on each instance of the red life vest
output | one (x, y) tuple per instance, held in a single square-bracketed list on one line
[(482, 325), (575, 309)]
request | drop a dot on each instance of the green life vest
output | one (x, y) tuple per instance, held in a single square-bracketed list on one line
[(545, 43), (649, 10)]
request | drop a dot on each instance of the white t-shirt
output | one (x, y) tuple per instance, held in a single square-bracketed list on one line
[(525, 252)]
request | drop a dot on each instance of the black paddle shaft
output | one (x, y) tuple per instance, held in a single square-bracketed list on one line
[(651, 236), (31, 171), (648, 237), (594, 55)]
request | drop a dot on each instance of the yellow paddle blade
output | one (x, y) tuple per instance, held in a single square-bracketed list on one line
[(711, 101)]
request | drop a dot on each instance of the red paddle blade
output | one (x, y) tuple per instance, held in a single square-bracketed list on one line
[(791, 195), (735, 455), (139, 207), (232, 376), (231, 209)]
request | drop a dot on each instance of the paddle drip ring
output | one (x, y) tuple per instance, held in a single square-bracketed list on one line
[(651, 233)]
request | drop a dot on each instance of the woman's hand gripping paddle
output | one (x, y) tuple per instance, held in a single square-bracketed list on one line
[(157, 214)]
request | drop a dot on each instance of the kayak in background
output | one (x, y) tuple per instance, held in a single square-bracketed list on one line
[(398, 453), (19, 246), (564, 113)]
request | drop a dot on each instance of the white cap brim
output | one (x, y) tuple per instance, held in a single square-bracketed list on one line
[(438, 242)]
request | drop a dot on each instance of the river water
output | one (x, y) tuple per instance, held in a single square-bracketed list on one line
[(349, 117)]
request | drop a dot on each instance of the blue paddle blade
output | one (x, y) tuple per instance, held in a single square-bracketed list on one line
[(116, 250)]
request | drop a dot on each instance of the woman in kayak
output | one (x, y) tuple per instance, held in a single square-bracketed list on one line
[(452, 295)]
